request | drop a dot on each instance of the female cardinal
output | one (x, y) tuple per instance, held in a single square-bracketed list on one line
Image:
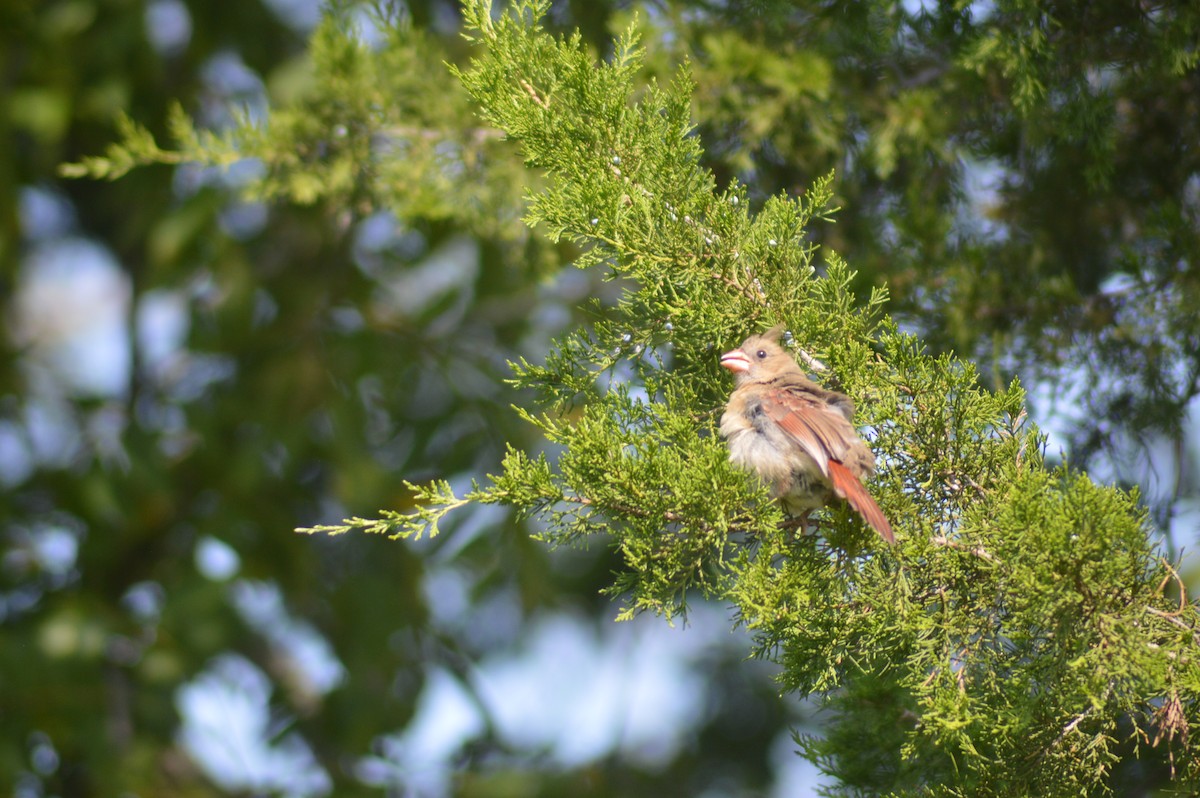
[(795, 434)]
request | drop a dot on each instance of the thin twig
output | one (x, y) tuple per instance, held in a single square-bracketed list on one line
[(978, 551), (1171, 572), (637, 512), (810, 361), (741, 289), (1175, 620), (537, 98), (1070, 727)]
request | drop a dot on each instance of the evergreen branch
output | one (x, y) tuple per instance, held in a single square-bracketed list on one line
[(135, 147), (1173, 574), (637, 512), (992, 653), (431, 504), (532, 92), (756, 296), (669, 516), (977, 551), (1073, 725), (1175, 619)]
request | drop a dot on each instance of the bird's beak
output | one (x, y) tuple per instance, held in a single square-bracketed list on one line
[(736, 361)]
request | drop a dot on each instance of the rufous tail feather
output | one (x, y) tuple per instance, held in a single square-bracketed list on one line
[(849, 488)]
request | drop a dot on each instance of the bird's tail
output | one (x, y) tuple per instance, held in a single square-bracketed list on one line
[(846, 485)]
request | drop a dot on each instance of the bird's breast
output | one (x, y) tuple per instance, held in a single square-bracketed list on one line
[(756, 446)]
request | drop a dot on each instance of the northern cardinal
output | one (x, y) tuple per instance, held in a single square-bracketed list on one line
[(795, 434)]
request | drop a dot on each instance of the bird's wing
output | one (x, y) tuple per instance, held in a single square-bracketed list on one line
[(820, 432), (846, 485), (825, 434)]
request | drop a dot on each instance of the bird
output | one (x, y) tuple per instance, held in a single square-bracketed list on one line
[(795, 435)]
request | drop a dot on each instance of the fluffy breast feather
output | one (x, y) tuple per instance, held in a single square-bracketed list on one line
[(761, 447)]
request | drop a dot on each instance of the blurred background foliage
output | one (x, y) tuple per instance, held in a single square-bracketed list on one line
[(191, 369)]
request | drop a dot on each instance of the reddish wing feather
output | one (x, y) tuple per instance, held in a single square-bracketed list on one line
[(820, 432), (824, 434), (849, 488)]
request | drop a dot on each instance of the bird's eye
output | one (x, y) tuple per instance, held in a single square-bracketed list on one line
[(762, 354)]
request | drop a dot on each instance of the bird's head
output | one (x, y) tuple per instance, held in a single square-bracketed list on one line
[(760, 357)]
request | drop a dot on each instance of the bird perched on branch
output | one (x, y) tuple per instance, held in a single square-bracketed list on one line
[(796, 435)]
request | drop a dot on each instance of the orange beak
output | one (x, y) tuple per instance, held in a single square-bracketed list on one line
[(736, 361)]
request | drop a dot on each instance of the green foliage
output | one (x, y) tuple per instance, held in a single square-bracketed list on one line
[(1021, 174), (283, 392), (366, 127), (432, 502), (1025, 637), (1019, 639)]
